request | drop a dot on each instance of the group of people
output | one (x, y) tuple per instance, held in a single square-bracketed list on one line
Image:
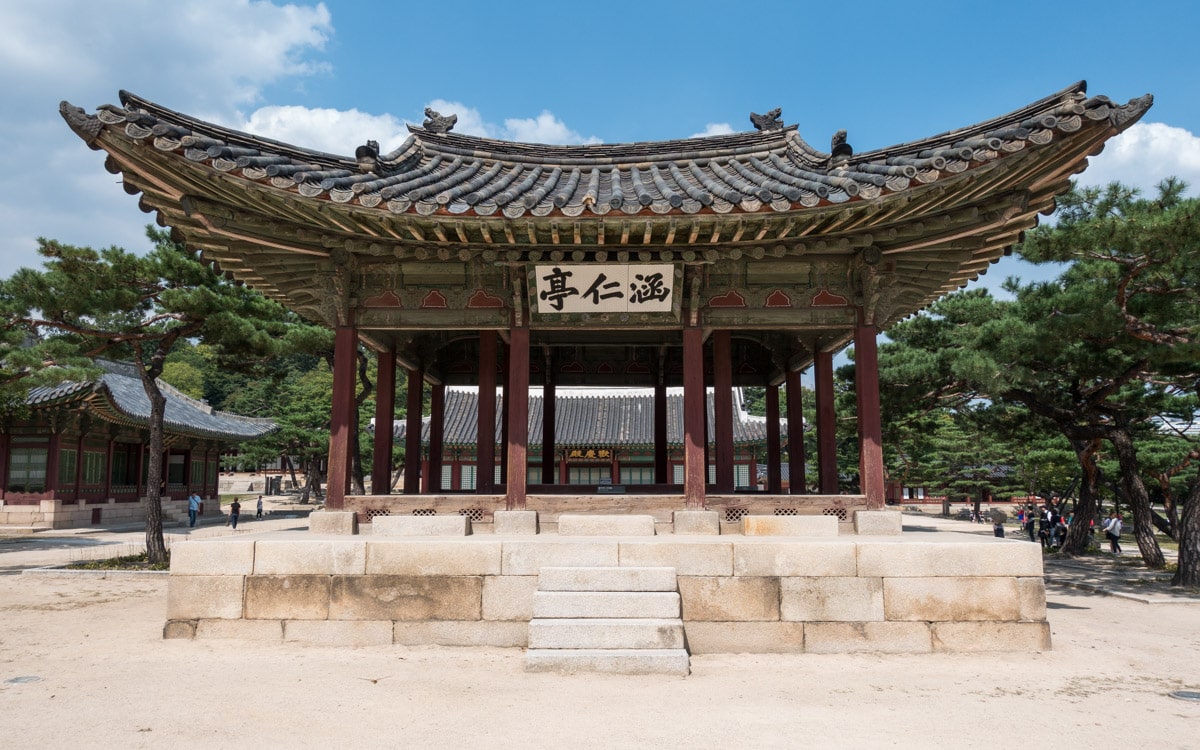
[(1051, 526), (235, 510)]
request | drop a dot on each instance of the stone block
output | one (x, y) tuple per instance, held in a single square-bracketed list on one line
[(607, 579), (455, 525), (309, 557), (193, 597), (584, 525), (219, 557), (790, 525), (508, 597), (991, 636), (878, 522), (339, 632), (515, 522), (605, 633), (396, 597), (744, 637), (985, 557), (182, 629), (793, 558), (831, 599), (729, 599), (242, 630), (333, 522), (687, 558), (414, 557), (704, 522), (951, 599), (502, 634), (1033, 598), (876, 637), (526, 558), (606, 604), (618, 661), (301, 597)]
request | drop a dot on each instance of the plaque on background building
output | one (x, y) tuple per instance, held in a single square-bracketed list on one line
[(616, 288)]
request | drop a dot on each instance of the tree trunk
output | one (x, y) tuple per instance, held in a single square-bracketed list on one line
[(1079, 534), (1188, 573), (946, 506), (156, 548), (1135, 493)]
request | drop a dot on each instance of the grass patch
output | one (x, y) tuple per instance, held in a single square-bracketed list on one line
[(138, 561)]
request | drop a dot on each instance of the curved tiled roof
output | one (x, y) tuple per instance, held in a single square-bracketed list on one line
[(601, 419), (436, 172), (118, 396)]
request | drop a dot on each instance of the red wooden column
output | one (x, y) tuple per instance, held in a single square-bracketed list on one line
[(826, 424), (774, 470), (661, 465), (517, 400), (723, 410), (432, 481), (795, 412), (345, 350), (412, 432), (485, 444), (504, 401), (693, 418), (385, 410), (549, 431), (870, 424)]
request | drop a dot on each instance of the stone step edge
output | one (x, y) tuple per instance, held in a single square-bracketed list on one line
[(613, 661), (608, 579), (635, 634)]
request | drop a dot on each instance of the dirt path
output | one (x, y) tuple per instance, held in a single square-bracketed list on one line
[(103, 677)]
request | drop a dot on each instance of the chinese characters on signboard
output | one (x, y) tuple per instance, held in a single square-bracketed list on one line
[(590, 453), (578, 288)]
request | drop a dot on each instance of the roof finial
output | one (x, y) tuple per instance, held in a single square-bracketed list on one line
[(838, 148), (772, 120), (436, 123)]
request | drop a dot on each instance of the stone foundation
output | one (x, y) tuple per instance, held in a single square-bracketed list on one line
[(59, 514), (890, 594)]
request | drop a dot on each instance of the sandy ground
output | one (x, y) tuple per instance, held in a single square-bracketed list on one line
[(83, 665)]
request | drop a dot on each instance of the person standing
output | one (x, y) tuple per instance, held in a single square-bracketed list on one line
[(1030, 520), (1112, 530), (258, 510), (193, 508), (235, 510)]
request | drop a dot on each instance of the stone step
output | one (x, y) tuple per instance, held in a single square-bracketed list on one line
[(672, 661), (616, 525), (606, 604), (607, 579), (606, 633)]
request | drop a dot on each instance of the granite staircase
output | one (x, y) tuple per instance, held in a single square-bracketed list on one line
[(603, 619)]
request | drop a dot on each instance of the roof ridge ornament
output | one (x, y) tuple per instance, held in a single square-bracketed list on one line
[(772, 120), (839, 150), (435, 122), (85, 126)]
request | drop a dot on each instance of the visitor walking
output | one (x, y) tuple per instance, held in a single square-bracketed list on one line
[(1112, 530), (258, 511), (235, 510), (1030, 520), (193, 509)]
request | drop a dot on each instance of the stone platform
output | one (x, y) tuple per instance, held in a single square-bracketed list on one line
[(912, 593)]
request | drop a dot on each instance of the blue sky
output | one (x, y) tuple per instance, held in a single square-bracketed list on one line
[(332, 75)]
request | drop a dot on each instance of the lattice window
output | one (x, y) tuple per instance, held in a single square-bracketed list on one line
[(475, 514), (787, 511), (733, 515), (424, 512), (368, 515), (839, 512)]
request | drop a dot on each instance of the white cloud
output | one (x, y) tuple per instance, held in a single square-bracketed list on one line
[(545, 128), (330, 130), (714, 128), (208, 58), (1144, 155)]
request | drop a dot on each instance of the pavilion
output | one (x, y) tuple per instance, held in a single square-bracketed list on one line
[(714, 262)]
